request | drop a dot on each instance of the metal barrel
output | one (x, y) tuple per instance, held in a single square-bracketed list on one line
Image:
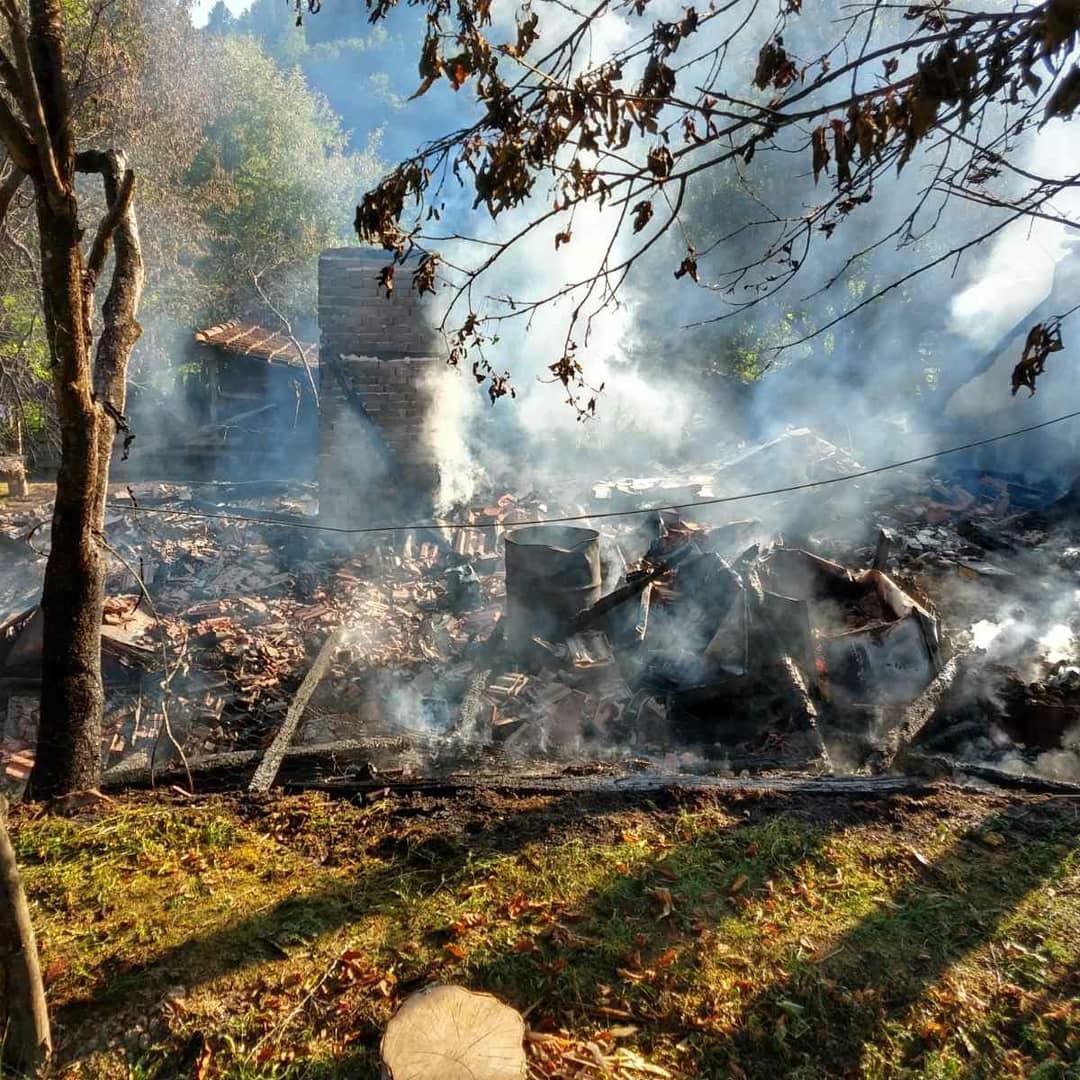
[(552, 572)]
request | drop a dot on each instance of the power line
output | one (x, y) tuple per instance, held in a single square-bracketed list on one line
[(788, 489)]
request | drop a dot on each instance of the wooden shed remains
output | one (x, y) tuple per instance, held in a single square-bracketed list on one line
[(250, 409)]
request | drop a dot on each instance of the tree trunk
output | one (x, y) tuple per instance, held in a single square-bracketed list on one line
[(37, 130), (24, 1019), (72, 700), (90, 402)]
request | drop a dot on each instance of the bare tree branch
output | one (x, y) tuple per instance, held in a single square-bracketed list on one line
[(9, 187), (107, 226), (256, 279)]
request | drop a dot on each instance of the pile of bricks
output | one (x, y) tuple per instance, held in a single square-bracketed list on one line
[(386, 350)]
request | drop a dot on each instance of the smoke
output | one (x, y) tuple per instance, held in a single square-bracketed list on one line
[(453, 415), (1016, 273)]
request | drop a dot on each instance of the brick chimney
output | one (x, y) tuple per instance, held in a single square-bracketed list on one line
[(376, 359)]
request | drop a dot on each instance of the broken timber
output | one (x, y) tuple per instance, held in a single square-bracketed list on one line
[(919, 713), (472, 705), (271, 760)]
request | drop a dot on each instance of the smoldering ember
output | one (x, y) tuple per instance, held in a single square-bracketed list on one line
[(539, 542)]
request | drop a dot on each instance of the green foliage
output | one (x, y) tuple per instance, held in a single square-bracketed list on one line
[(276, 176), (24, 332), (24, 369)]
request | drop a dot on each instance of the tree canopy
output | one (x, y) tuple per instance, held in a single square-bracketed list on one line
[(625, 106)]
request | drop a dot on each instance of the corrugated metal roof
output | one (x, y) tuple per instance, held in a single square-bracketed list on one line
[(247, 339)]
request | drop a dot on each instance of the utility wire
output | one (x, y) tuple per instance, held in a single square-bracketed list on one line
[(788, 489)]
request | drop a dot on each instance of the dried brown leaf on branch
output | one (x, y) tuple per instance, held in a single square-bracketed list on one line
[(935, 76), (386, 280), (1042, 340), (1066, 96), (688, 267), (660, 162), (527, 34), (820, 150), (774, 67), (643, 213), (424, 274)]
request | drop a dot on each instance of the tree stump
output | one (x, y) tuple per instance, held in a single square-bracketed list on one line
[(13, 473), (449, 1033)]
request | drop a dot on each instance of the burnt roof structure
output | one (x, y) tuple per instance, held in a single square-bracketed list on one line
[(250, 340)]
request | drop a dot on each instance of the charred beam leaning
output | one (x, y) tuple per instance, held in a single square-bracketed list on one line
[(271, 761)]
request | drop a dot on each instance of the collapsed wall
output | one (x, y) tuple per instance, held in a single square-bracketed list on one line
[(377, 356)]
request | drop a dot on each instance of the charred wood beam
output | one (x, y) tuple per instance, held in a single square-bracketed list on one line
[(472, 704), (328, 767), (938, 765), (232, 769), (919, 713), (271, 761)]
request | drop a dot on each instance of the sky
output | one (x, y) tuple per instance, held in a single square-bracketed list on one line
[(200, 11)]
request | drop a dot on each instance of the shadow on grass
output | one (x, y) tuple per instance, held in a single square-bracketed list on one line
[(615, 954), (822, 1019)]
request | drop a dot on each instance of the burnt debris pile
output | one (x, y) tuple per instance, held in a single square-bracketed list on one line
[(911, 623)]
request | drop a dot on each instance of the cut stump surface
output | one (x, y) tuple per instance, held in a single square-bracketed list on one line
[(449, 1033)]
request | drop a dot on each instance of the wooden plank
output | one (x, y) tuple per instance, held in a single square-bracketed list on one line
[(271, 761)]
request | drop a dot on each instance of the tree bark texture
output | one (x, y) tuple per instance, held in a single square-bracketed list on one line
[(90, 399), (37, 129), (24, 1020), (69, 736)]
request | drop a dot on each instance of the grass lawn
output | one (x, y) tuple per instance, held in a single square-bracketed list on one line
[(742, 935)]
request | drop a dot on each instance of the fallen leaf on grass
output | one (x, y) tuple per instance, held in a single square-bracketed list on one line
[(54, 970), (625, 1058), (921, 859), (469, 921), (519, 904), (1063, 1012), (206, 1059), (635, 976), (734, 960), (665, 899), (738, 884), (933, 1031), (456, 951)]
